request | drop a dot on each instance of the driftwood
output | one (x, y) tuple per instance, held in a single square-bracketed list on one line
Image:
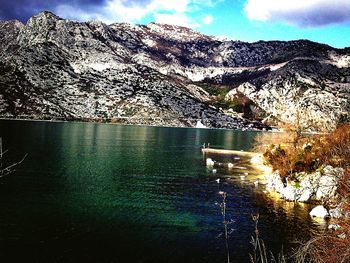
[(6, 170)]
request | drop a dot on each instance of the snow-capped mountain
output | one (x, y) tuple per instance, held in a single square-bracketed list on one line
[(165, 75)]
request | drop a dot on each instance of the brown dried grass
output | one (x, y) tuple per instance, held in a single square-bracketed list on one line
[(289, 152)]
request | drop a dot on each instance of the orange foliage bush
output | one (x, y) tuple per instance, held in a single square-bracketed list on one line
[(343, 190), (296, 154), (334, 148)]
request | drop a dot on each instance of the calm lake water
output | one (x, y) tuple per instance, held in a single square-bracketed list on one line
[(109, 193)]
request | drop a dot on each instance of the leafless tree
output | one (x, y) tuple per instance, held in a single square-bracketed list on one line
[(226, 223)]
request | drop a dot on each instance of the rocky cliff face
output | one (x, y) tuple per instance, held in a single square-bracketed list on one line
[(161, 74), (309, 92)]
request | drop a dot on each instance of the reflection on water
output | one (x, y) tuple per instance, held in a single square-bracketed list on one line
[(108, 193)]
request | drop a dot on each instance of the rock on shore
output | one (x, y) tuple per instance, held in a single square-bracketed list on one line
[(320, 185)]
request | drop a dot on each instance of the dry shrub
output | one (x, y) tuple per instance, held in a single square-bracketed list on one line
[(334, 148), (282, 159), (343, 189), (339, 141), (327, 248), (290, 160), (290, 153)]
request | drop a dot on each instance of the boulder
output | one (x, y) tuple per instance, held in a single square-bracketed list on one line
[(305, 196), (289, 193), (334, 226), (319, 211), (327, 184), (230, 165), (274, 182), (210, 162)]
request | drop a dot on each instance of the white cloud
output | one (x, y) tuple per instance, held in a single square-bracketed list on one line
[(179, 19), (118, 10), (303, 13), (179, 6), (208, 19), (163, 11), (70, 12)]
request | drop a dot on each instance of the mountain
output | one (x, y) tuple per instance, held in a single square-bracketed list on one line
[(166, 75)]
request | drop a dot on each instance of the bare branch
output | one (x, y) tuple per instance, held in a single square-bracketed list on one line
[(4, 171)]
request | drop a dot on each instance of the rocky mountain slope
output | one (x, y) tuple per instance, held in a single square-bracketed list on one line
[(165, 75)]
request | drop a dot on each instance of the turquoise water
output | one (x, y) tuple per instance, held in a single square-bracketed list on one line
[(110, 193)]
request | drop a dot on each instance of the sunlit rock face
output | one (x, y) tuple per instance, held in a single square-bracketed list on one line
[(308, 92), (156, 73), (320, 185)]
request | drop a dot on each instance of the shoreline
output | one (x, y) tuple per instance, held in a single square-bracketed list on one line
[(100, 121), (288, 193)]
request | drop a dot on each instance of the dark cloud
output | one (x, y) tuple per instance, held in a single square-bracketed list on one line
[(316, 17), (24, 9), (107, 11), (303, 13)]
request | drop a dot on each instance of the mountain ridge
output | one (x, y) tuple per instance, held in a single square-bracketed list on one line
[(92, 70)]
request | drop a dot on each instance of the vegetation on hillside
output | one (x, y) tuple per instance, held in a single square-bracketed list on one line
[(240, 104)]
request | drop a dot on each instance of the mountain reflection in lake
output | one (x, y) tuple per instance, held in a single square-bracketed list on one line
[(110, 193)]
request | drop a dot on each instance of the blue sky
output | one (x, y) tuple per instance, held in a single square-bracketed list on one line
[(323, 21)]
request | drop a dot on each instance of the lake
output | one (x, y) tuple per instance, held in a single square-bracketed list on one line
[(110, 193)]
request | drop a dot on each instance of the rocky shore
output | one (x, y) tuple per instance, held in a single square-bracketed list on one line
[(319, 187)]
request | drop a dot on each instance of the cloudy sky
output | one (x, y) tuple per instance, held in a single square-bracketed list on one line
[(323, 21)]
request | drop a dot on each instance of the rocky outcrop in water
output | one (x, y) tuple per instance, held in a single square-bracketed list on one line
[(161, 74)]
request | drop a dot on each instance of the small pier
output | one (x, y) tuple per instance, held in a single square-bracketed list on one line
[(230, 152), (251, 166)]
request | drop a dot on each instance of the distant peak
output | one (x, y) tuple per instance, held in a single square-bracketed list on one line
[(12, 22), (168, 26), (180, 33), (47, 14)]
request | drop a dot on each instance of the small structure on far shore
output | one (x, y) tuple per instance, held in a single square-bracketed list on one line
[(200, 125)]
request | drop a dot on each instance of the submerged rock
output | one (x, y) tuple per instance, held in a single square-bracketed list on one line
[(210, 162)]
